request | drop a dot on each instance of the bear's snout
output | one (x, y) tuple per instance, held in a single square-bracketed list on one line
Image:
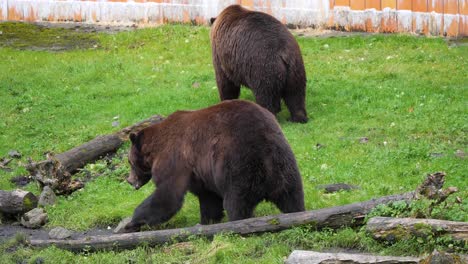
[(132, 180), (135, 185)]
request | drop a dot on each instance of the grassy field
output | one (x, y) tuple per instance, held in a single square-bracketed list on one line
[(406, 94)]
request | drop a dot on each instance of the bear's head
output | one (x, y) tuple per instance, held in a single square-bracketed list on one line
[(140, 171)]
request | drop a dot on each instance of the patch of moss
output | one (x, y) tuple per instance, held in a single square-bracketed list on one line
[(25, 36), (423, 230), (274, 221)]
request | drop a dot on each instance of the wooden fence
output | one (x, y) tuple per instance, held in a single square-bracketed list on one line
[(428, 17)]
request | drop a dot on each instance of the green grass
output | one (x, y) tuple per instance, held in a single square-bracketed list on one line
[(407, 95)]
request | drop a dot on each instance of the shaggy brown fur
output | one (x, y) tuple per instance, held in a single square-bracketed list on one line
[(232, 156), (254, 49)]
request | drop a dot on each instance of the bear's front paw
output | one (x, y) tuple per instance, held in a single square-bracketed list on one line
[(298, 119), (131, 227)]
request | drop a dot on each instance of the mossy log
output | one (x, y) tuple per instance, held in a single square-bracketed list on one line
[(312, 257), (56, 170), (17, 202), (395, 229), (335, 217)]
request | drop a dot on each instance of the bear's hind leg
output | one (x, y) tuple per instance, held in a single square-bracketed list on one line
[(211, 208), (272, 102), (294, 98), (290, 202), (238, 206), (227, 89)]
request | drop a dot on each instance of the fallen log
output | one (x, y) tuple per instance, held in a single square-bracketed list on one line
[(395, 229), (312, 257), (17, 202), (335, 217), (56, 170)]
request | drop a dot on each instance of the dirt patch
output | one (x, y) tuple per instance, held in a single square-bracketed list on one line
[(8, 232), (326, 33), (54, 36)]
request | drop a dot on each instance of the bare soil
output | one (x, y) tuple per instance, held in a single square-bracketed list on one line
[(8, 232)]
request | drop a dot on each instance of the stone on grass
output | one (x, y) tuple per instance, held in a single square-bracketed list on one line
[(14, 154), (34, 218), (439, 257), (336, 187), (60, 233), (122, 224), (47, 197)]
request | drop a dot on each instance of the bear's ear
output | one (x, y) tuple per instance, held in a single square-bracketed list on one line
[(212, 20), (135, 139)]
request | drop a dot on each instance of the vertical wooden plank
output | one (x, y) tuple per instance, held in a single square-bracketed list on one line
[(331, 16), (342, 2), (376, 4), (436, 17), (357, 4), (388, 4), (3, 10), (420, 17), (420, 6), (389, 18), (463, 27), (451, 18), (404, 16), (404, 4), (247, 3), (15, 12), (373, 16)]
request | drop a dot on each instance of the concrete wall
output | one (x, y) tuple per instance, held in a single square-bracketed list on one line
[(429, 17)]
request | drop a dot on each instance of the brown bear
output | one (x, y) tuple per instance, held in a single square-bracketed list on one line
[(232, 156), (255, 50)]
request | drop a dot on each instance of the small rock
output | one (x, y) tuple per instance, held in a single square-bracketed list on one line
[(437, 257), (364, 140), (196, 85), (39, 260), (437, 155), (336, 187), (319, 146), (4, 162), (14, 154), (60, 233), (115, 123), (20, 180), (34, 218), (122, 224), (47, 197), (460, 153)]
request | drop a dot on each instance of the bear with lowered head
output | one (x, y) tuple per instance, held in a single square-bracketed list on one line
[(232, 156), (256, 50)]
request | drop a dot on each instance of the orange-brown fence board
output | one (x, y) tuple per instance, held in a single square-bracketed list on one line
[(451, 17), (463, 22), (421, 17), (377, 5), (428, 17), (389, 17)]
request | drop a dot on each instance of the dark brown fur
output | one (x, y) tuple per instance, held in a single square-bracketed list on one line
[(255, 50), (232, 156)]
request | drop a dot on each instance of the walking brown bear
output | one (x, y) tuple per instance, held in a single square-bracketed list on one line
[(232, 155), (255, 50)]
